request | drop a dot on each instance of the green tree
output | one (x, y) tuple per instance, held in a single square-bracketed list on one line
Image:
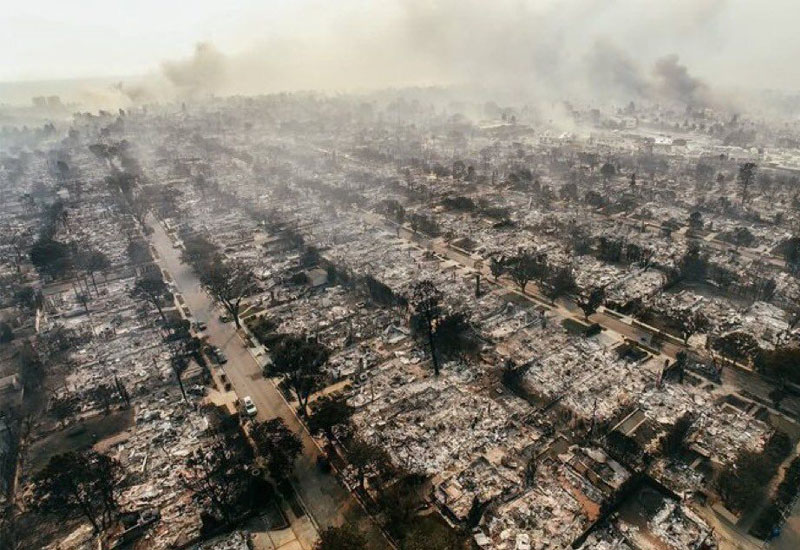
[(455, 336), (781, 363), (198, 252), (300, 362), (690, 323), (367, 458), (497, 267), (742, 236), (31, 368), (696, 221), (608, 171), (63, 408), (591, 301), (346, 537), (790, 250), (85, 482), (738, 346), (525, 267), (426, 535), (219, 475), (694, 264), (328, 412), (278, 445), (25, 298), (139, 251), (51, 257), (6, 333), (229, 283)]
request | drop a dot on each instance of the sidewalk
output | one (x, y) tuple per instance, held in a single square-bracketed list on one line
[(325, 500)]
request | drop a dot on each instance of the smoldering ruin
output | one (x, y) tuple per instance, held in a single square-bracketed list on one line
[(427, 275)]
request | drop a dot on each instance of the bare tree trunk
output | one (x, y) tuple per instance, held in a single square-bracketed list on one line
[(433, 351), (180, 384), (160, 312)]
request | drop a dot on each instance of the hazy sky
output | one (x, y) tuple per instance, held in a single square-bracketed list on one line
[(314, 43), (46, 39)]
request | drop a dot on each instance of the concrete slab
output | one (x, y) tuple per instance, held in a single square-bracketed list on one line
[(282, 537)]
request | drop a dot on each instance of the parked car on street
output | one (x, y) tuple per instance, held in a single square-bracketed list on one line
[(249, 407)]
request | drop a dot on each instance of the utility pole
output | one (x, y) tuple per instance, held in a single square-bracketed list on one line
[(594, 414)]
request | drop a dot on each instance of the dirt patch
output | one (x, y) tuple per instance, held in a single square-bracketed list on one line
[(77, 437)]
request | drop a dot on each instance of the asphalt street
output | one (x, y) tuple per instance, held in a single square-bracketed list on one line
[(327, 501)]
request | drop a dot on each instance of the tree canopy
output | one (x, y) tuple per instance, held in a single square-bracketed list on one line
[(152, 289), (328, 413), (229, 282), (346, 537), (278, 445), (51, 257), (80, 482), (299, 361)]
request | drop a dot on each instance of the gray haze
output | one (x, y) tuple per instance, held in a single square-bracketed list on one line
[(696, 52)]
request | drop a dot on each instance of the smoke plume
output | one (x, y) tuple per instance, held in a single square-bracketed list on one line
[(202, 73), (527, 51)]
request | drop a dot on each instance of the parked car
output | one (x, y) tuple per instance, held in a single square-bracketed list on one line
[(212, 351), (216, 355), (249, 407), (199, 326)]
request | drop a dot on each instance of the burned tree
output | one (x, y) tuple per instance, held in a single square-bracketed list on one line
[(426, 301), (497, 266), (152, 289), (746, 177), (690, 323), (561, 282), (229, 283), (92, 262), (591, 301)]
